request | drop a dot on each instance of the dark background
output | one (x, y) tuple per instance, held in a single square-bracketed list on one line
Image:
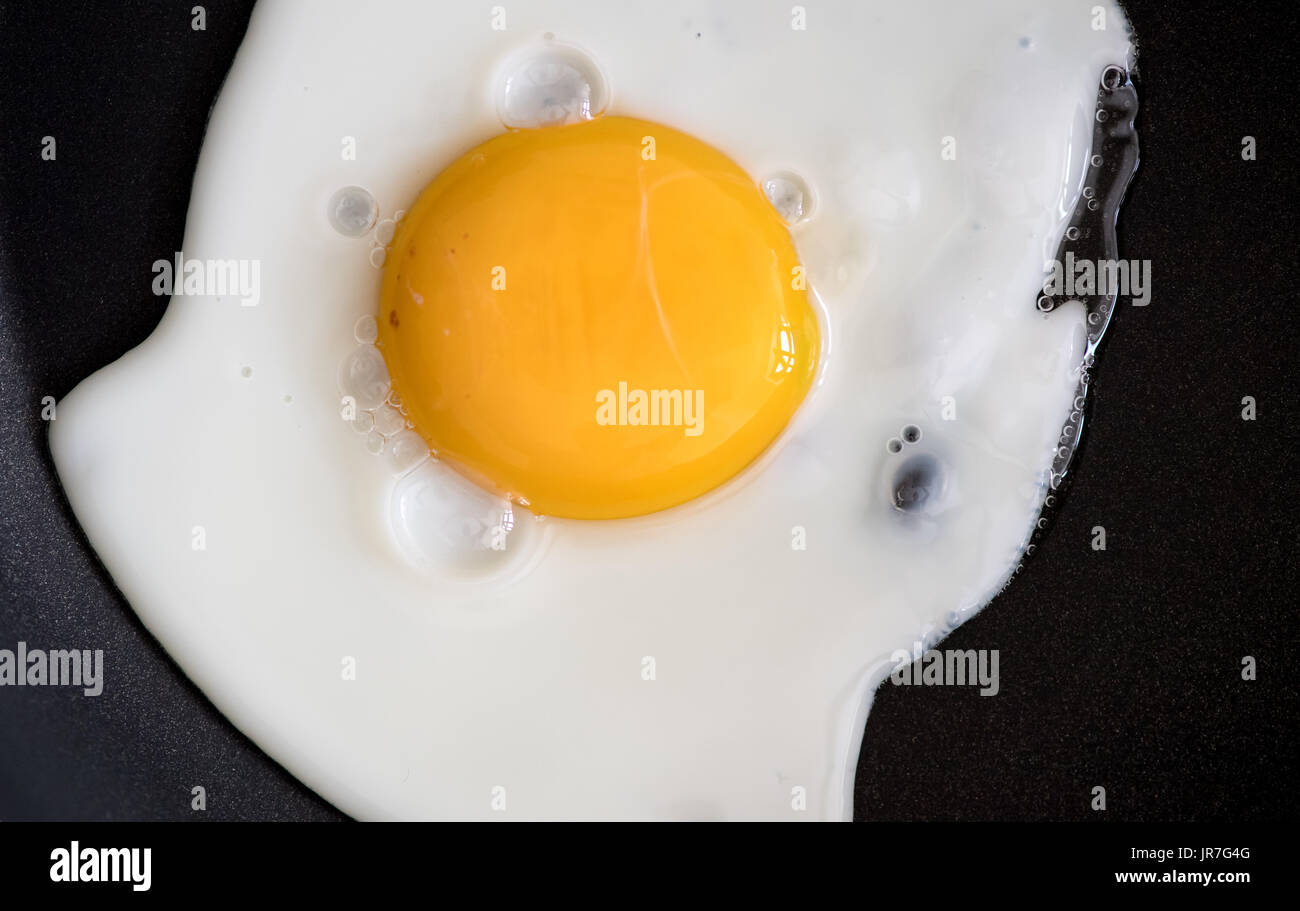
[(1118, 668)]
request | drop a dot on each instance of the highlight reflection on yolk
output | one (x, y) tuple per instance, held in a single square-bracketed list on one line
[(602, 319)]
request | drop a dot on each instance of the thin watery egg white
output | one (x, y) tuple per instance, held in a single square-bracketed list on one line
[(837, 243)]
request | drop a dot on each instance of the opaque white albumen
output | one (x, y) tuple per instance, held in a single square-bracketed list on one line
[(763, 655)]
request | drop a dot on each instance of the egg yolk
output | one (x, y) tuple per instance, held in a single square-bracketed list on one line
[(598, 320)]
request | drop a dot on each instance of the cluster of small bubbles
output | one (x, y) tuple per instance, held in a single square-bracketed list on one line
[(383, 235), (909, 434), (917, 486), (790, 195), (352, 211), (549, 85), (366, 330), (1072, 233), (1056, 477), (376, 411)]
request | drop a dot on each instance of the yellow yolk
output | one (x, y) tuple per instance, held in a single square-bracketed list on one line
[(599, 320)]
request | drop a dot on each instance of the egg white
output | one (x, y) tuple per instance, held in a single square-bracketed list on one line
[(764, 655)]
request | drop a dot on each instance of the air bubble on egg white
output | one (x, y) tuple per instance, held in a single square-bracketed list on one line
[(352, 211), (375, 442), (406, 449), (377, 257), (385, 230), (364, 376), (917, 486), (550, 84), (364, 422), (1113, 77), (366, 330), (388, 420), (790, 195), (446, 524)]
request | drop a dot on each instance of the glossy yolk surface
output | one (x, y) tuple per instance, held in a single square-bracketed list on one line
[(600, 320)]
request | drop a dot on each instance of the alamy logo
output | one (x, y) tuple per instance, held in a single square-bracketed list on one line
[(947, 667), (57, 667), (655, 408), (181, 277), (76, 864), (1104, 277)]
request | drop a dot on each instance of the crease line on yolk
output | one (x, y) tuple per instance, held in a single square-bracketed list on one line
[(594, 330)]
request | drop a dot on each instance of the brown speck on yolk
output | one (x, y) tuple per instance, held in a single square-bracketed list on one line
[(392, 318)]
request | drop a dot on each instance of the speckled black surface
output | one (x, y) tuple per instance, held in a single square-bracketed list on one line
[(1118, 668)]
